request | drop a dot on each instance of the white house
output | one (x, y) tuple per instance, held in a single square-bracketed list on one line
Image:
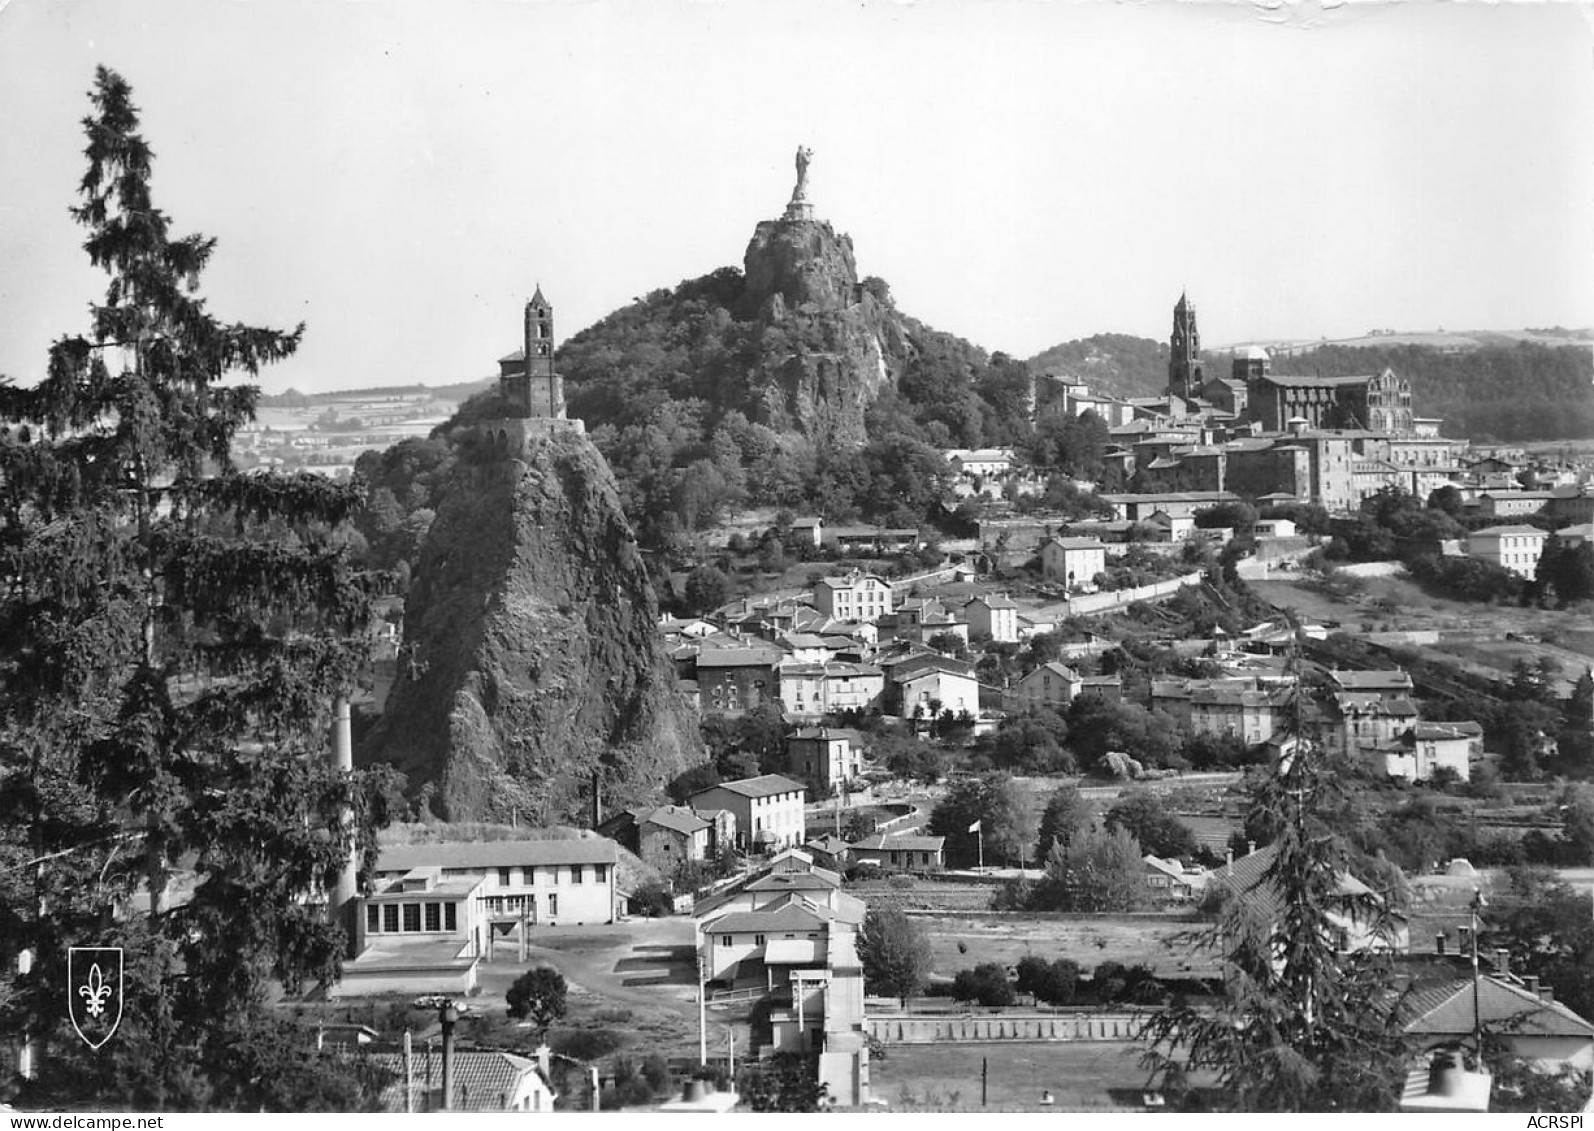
[(992, 618), (1516, 548), (856, 596), (1427, 747), (980, 461), (928, 680), (768, 808), (1073, 561), (1273, 528)]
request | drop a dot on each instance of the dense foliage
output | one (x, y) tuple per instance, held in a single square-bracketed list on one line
[(173, 636)]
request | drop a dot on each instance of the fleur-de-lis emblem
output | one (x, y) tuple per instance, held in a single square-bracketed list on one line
[(95, 990)]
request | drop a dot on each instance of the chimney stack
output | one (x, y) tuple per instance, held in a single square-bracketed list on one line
[(1502, 961), (597, 801), (1439, 943), (1530, 982)]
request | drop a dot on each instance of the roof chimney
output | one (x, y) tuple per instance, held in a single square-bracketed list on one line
[(1531, 982), (1439, 943), (1502, 961), (1547, 994)]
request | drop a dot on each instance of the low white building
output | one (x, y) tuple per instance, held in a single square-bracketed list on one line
[(1516, 548), (1073, 561)]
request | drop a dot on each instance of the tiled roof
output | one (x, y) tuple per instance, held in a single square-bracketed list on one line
[(789, 917), (886, 842), (496, 854), (483, 1081), (1371, 680), (753, 657), (1519, 528), (765, 785), (1446, 1009), (1247, 878), (677, 818)]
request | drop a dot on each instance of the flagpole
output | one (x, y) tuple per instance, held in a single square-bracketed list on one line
[(980, 834)]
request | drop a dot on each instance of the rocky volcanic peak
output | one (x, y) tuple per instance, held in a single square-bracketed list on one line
[(802, 262), (835, 345), (531, 653)]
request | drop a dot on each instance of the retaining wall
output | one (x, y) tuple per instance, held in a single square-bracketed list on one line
[(906, 1029)]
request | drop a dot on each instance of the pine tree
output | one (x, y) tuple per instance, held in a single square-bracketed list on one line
[(173, 635), (1302, 1026)]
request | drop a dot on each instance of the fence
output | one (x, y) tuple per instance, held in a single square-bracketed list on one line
[(906, 1029)]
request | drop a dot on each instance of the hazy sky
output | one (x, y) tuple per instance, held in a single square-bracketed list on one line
[(401, 175)]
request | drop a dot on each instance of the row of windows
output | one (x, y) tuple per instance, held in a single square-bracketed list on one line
[(408, 918), (758, 940), (550, 874)]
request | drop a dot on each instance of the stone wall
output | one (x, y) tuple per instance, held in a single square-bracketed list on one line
[(922, 1029)]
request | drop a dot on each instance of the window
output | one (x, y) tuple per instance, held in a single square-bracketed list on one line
[(577, 873), (390, 916), (600, 874), (412, 916), (434, 916), (758, 940), (727, 940), (553, 906), (373, 917), (503, 877), (451, 916)]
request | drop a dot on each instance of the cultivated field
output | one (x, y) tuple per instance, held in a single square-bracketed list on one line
[(1082, 1076), (1167, 945)]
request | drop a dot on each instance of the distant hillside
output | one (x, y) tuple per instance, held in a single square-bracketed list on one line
[(1116, 364), (1440, 339), (458, 392)]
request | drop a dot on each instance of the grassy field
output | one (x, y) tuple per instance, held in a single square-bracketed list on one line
[(1163, 944), (947, 1077)]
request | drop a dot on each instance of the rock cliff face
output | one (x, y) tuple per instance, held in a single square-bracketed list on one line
[(531, 655), (844, 344)]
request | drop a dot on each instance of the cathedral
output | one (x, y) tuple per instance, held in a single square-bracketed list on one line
[(1379, 402)]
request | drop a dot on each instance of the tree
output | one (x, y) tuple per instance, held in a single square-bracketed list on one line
[(707, 588), (1004, 810), (539, 994), (895, 953), (1300, 1026), (1142, 814), (1055, 983), (1066, 815), (173, 636), (1101, 870), (986, 984)]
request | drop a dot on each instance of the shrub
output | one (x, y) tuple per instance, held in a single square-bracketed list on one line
[(986, 984)]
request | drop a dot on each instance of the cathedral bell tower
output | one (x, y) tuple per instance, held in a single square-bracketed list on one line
[(1184, 352)]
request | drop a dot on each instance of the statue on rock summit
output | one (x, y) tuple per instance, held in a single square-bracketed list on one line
[(800, 208)]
